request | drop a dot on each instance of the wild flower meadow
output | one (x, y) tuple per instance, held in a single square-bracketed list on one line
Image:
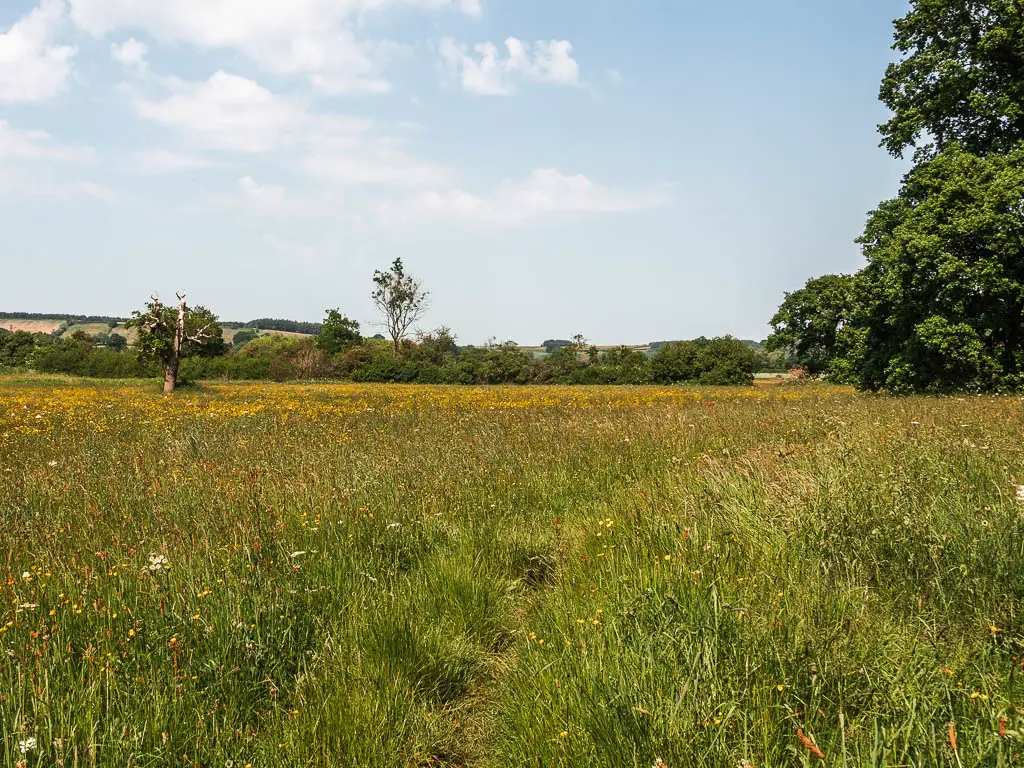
[(277, 575)]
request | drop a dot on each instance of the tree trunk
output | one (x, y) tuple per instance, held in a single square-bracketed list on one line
[(171, 366), (170, 377)]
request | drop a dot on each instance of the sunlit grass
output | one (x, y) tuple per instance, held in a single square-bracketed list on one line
[(397, 576)]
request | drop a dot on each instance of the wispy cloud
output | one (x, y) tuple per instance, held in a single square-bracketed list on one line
[(485, 71)]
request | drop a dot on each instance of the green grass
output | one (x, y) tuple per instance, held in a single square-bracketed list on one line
[(402, 576)]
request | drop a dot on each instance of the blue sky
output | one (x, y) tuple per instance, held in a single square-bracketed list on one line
[(631, 171)]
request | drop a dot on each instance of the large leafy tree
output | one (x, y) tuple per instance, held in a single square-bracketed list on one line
[(809, 319), (960, 79), (943, 293), (168, 334), (939, 305)]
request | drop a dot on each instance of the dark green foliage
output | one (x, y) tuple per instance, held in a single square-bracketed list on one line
[(16, 347), (80, 357), (203, 334), (961, 80), (809, 319), (338, 333), (550, 345), (943, 292), (288, 326), (435, 359), (940, 304), (243, 337), (718, 361)]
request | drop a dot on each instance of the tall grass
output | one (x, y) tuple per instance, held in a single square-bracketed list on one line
[(375, 576)]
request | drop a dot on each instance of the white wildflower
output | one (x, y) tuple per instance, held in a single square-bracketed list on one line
[(395, 525), (1020, 493), (51, 463), (157, 562), (27, 745), (26, 576), (300, 553), (28, 606)]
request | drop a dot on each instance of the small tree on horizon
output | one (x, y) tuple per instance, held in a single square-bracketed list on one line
[(338, 333), (401, 300)]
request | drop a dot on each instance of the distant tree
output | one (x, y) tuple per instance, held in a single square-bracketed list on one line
[(338, 333), (379, 337), (400, 299), (503, 363), (16, 348), (166, 335), (287, 326), (719, 361), (676, 361), (438, 346), (622, 365), (117, 342), (243, 336), (809, 319), (112, 323), (550, 345)]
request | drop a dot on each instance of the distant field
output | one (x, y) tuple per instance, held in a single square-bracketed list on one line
[(48, 326), (229, 334), (414, 576), (32, 326)]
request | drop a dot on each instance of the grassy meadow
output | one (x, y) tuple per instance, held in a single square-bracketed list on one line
[(344, 575)]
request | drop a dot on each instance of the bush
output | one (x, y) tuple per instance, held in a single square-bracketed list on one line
[(719, 361)]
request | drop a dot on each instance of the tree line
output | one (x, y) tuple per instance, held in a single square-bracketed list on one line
[(183, 343), (939, 304), (341, 352)]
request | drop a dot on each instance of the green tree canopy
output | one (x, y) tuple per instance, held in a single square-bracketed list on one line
[(718, 361), (943, 293), (338, 333), (809, 319), (961, 78), (168, 334)]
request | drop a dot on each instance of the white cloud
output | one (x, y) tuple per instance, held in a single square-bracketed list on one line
[(263, 196), (545, 193), (226, 112), (314, 38), (37, 145), (131, 53), (233, 113), (32, 66), (487, 72), (167, 161), (371, 162)]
